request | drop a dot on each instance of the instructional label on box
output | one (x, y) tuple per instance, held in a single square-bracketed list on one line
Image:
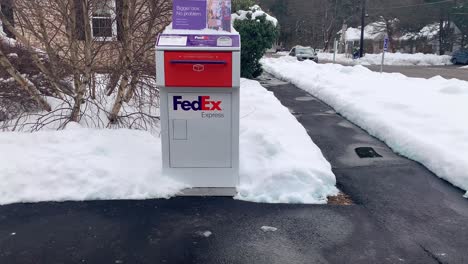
[(173, 41)]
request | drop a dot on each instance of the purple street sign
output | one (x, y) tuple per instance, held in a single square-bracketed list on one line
[(189, 14)]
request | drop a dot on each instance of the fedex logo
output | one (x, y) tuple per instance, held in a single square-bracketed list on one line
[(202, 104), (201, 37)]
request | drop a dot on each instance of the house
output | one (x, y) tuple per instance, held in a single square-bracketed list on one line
[(101, 29), (424, 41), (374, 34), (427, 39)]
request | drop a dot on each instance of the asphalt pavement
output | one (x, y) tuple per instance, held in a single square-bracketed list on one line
[(402, 213)]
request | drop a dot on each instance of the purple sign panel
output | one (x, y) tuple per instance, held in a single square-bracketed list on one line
[(200, 40), (189, 14)]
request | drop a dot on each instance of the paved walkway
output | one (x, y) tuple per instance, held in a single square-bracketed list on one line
[(403, 214)]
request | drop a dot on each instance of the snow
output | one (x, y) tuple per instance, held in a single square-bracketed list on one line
[(464, 67), (377, 30), (255, 12), (269, 229), (422, 119), (372, 31), (141, 112), (282, 53), (12, 56), (205, 234), (279, 161), (429, 32), (402, 59), (81, 164)]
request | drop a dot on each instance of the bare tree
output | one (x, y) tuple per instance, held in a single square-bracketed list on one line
[(98, 46)]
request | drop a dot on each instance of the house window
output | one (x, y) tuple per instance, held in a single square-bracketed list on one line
[(103, 20)]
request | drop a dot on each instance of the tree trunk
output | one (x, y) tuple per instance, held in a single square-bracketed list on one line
[(128, 59), (87, 49), (132, 88), (74, 57)]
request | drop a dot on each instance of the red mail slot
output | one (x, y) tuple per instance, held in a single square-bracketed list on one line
[(198, 69)]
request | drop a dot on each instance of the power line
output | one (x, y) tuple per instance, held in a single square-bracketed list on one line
[(415, 5)]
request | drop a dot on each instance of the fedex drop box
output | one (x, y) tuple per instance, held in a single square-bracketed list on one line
[(198, 73)]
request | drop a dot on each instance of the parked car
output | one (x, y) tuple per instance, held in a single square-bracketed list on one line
[(304, 53), (460, 57)]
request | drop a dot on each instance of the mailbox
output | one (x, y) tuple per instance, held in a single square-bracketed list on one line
[(199, 79)]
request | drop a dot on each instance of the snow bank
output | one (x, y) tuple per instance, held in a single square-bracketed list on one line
[(255, 11), (401, 59), (464, 67), (81, 164), (424, 120), (279, 162)]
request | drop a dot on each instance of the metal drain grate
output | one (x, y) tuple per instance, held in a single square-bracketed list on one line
[(367, 153)]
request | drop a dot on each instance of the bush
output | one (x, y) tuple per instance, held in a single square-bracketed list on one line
[(257, 36)]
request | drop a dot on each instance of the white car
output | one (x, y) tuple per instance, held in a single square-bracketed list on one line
[(304, 53)]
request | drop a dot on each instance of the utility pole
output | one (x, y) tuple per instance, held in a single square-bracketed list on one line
[(363, 22)]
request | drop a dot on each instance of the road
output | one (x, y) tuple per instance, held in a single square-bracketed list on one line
[(448, 72), (402, 213)]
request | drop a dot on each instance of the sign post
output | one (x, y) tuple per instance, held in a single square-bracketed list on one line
[(385, 48), (335, 47)]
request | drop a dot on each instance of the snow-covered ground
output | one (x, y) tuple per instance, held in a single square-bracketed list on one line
[(401, 59), (279, 162), (464, 67), (422, 119)]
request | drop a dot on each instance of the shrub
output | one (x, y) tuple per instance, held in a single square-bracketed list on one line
[(258, 35)]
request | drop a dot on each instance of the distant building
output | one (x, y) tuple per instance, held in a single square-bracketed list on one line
[(424, 41), (374, 34), (427, 39)]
